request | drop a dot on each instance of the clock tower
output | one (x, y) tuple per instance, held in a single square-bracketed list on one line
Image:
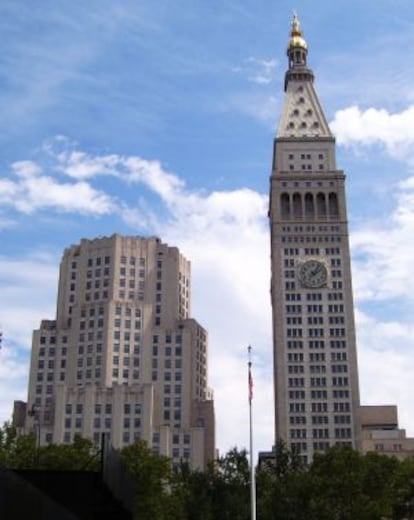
[(315, 363)]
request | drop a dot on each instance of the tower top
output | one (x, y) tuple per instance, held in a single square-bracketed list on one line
[(297, 48), (296, 38), (302, 115)]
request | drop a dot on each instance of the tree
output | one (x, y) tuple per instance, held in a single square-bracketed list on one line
[(21, 452), (282, 486), (346, 485), (230, 486), (153, 477), (16, 451), (403, 491), (82, 454)]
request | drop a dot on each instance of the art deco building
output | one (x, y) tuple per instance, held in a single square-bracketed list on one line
[(123, 357), (315, 364)]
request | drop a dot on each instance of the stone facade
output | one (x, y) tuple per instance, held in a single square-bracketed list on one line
[(123, 356), (315, 363)]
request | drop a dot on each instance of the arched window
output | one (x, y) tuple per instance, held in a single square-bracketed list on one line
[(333, 205), (285, 206), (309, 206), (297, 205), (321, 205)]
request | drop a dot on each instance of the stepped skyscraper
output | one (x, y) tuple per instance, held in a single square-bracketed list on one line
[(123, 356)]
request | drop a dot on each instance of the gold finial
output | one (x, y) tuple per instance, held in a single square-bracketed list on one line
[(296, 39), (295, 25)]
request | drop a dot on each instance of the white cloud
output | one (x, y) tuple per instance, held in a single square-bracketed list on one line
[(28, 289), (257, 70), (28, 295), (26, 169), (151, 173), (355, 127), (34, 191), (386, 364), (13, 381), (264, 72), (80, 165), (383, 251), (132, 169)]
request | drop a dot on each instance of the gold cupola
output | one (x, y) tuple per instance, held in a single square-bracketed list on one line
[(296, 38), (297, 48), (297, 52)]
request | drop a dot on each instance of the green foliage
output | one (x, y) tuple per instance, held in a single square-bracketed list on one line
[(82, 454), (220, 493), (16, 451), (230, 483), (282, 487), (153, 476), (21, 452), (347, 485), (340, 484)]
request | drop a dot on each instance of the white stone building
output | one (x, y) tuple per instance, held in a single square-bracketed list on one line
[(315, 362), (123, 356)]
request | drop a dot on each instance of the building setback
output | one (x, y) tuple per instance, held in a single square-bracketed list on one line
[(123, 356), (315, 364)]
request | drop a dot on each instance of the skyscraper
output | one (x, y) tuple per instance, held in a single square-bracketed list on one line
[(315, 364), (123, 356)]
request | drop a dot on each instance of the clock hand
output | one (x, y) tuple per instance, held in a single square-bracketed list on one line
[(316, 270)]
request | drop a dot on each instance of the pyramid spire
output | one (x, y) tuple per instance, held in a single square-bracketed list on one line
[(302, 114)]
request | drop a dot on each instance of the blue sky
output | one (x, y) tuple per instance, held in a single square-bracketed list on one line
[(146, 118)]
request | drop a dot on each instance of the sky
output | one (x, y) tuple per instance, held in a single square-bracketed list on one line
[(158, 118)]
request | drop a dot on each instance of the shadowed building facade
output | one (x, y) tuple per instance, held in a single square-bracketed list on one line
[(315, 363)]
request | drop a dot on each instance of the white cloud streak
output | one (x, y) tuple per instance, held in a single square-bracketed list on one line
[(33, 191)]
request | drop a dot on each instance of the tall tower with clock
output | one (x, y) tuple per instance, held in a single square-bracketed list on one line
[(315, 363)]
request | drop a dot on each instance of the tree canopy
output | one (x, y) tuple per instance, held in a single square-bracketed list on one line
[(22, 452), (340, 484)]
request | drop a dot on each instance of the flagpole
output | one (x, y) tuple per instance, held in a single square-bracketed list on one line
[(252, 479)]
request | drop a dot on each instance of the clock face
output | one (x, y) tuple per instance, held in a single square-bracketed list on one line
[(313, 273)]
